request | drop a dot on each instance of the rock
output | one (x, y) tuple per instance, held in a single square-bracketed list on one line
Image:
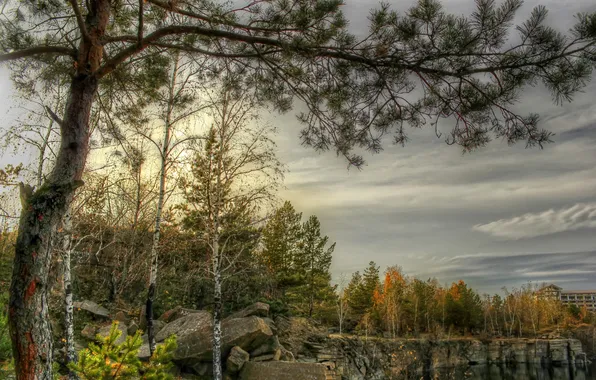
[(158, 326), (92, 308), (105, 331), (286, 355), (268, 347), (143, 318), (259, 309), (185, 326), (236, 359), (177, 313), (121, 317), (89, 332), (132, 328), (282, 370), (558, 351), (271, 325), (194, 336)]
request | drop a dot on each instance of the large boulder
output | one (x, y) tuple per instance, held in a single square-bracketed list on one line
[(177, 313), (258, 309), (194, 336), (186, 326), (282, 370), (236, 359), (92, 308)]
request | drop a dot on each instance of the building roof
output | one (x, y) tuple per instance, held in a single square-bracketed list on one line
[(550, 287), (578, 292)]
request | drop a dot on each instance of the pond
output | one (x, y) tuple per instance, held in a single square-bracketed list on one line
[(519, 372)]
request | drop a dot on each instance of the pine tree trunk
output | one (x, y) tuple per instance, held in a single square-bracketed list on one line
[(68, 296), (28, 309)]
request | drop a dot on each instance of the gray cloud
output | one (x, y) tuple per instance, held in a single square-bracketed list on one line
[(578, 216)]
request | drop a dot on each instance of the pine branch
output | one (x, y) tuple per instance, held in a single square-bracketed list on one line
[(38, 50)]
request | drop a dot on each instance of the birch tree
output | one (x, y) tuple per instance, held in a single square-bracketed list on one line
[(234, 176), (360, 92), (178, 103)]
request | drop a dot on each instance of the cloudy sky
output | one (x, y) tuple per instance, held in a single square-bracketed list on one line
[(501, 216)]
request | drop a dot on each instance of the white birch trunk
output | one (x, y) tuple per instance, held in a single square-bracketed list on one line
[(68, 296), (160, 203), (217, 308)]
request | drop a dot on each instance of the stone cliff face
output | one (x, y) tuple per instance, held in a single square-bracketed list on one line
[(356, 358)]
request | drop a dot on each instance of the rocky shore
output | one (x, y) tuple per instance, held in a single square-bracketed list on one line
[(256, 347)]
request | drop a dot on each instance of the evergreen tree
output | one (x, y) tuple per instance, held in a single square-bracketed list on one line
[(361, 291), (312, 264), (280, 240), (463, 307)]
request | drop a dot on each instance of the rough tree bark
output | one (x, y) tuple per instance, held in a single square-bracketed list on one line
[(44, 210)]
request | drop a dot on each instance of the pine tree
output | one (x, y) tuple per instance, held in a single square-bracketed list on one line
[(361, 291), (312, 264), (281, 237)]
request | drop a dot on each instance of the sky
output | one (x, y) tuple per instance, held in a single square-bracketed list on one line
[(501, 216)]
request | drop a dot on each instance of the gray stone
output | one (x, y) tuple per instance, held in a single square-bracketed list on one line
[(158, 326), (177, 313), (259, 309), (92, 308), (121, 317), (267, 348), (105, 331), (132, 328), (236, 359), (286, 355), (89, 332), (185, 326), (274, 370), (194, 336)]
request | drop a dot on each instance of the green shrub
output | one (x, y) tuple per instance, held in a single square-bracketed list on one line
[(108, 360), (5, 345)]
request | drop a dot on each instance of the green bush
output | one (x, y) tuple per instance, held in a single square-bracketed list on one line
[(108, 360), (5, 345)]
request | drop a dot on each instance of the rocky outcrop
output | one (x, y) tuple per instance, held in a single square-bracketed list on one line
[(284, 370), (375, 358)]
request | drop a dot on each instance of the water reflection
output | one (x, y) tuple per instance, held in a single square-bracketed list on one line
[(519, 372)]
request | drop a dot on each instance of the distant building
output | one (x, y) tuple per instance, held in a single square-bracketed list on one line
[(580, 298)]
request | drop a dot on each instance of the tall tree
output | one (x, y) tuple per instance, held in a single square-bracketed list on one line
[(280, 240), (313, 263), (234, 176), (177, 104), (462, 64)]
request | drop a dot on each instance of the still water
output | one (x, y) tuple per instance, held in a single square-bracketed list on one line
[(519, 372)]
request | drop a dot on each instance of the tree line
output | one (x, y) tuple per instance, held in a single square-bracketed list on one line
[(396, 305)]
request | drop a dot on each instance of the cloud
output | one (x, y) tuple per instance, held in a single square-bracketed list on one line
[(580, 215)]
